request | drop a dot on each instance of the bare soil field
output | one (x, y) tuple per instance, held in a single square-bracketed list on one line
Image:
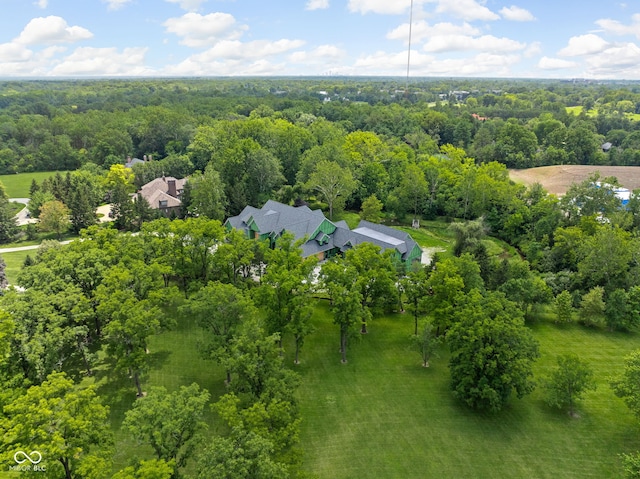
[(557, 179)]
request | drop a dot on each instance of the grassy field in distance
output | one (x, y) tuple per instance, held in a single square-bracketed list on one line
[(17, 186)]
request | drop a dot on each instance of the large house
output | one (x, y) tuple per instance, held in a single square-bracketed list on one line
[(164, 194), (324, 238)]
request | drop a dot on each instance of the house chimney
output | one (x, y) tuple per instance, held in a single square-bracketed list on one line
[(145, 158), (150, 157), (171, 191)]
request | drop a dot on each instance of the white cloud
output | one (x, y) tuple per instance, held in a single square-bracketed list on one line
[(584, 45), (14, 52), (103, 61), (234, 49), (517, 14), (486, 43), (619, 61), (204, 30), (422, 29), (232, 57), (323, 53), (393, 7), (189, 5), (534, 49), (42, 3), (547, 63), (317, 4), (51, 29), (115, 4), (469, 10), (483, 64), (193, 66), (391, 63), (616, 28)]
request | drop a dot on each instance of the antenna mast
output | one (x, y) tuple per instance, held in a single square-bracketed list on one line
[(409, 50)]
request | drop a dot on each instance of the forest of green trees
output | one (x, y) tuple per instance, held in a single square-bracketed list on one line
[(440, 150)]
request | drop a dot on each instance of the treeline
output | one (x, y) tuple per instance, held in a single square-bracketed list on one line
[(96, 303), (62, 125)]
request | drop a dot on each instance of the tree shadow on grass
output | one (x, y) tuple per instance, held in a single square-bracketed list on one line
[(158, 359)]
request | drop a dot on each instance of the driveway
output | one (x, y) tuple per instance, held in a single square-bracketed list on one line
[(23, 218)]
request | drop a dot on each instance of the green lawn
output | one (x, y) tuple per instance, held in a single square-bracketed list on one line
[(17, 186), (14, 263), (383, 415)]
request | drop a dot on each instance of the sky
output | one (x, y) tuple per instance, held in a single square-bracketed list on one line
[(590, 39)]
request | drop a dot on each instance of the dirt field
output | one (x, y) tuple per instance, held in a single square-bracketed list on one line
[(557, 179)]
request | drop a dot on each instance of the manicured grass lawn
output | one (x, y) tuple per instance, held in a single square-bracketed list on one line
[(17, 186), (427, 237), (14, 263), (383, 415)]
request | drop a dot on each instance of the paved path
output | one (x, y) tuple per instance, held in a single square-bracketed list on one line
[(27, 248)]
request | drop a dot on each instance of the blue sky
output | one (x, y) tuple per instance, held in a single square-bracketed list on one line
[(450, 38)]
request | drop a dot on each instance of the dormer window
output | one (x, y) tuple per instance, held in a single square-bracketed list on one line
[(162, 204)]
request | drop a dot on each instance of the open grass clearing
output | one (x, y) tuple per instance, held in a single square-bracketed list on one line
[(17, 186), (14, 262), (384, 415)]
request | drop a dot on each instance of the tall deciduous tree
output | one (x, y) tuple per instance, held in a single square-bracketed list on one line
[(242, 455), (286, 284), (67, 425), (413, 189), (153, 469), (255, 359), (207, 197), (169, 422), (219, 309), (467, 235), (131, 317), (627, 384), (371, 209), (592, 307), (54, 217), (492, 352), (568, 382), (347, 313), (563, 305), (416, 288), (426, 343), (333, 182), (373, 275)]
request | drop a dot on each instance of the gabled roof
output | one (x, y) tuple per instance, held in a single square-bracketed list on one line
[(158, 190), (274, 218)]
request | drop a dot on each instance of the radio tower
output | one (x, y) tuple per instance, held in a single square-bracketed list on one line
[(406, 90)]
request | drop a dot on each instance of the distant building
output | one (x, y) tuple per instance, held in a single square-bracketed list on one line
[(623, 194), (164, 194), (324, 238), (134, 161)]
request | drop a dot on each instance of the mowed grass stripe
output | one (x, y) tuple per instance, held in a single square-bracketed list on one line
[(383, 415), (18, 185)]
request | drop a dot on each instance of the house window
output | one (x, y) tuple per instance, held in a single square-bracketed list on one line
[(162, 204)]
